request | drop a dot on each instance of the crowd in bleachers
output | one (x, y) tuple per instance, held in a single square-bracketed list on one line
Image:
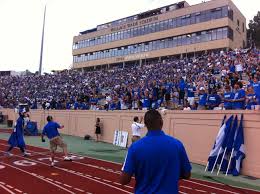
[(216, 80)]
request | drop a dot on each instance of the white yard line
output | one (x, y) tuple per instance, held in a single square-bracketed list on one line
[(8, 190), (68, 171), (34, 175), (211, 187)]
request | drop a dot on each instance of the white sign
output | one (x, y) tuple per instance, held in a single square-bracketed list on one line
[(120, 138)]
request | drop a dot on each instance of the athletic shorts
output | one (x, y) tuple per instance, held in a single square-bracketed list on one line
[(55, 142)]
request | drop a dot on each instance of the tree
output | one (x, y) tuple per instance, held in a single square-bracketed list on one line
[(254, 30)]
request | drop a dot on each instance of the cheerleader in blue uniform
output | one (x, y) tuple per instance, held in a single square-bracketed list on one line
[(16, 139)]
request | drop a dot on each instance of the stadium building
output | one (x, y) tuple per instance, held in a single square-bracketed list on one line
[(179, 29)]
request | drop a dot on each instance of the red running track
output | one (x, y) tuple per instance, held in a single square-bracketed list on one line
[(83, 175)]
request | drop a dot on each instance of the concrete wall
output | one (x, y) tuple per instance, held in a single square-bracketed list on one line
[(197, 130)]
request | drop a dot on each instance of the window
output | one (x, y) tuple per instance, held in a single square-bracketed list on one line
[(225, 32), (179, 41), (197, 17), (174, 42), (238, 23), (178, 22), (157, 26), (230, 14), (224, 11), (193, 19), (203, 36), (230, 34), (214, 34), (219, 34), (170, 24), (243, 27)]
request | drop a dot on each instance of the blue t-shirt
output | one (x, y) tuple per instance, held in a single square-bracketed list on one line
[(51, 130), (256, 87), (228, 96), (251, 101), (157, 161), (214, 100), (202, 99), (146, 103), (191, 91), (182, 85), (238, 95)]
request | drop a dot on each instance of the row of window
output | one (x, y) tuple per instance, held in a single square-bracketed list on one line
[(158, 26), (136, 17), (187, 39)]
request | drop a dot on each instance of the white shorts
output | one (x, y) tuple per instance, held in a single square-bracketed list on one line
[(191, 100)]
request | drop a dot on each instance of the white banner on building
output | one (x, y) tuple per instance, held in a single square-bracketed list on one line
[(120, 138)]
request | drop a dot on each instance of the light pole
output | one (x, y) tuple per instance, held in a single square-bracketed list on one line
[(43, 26)]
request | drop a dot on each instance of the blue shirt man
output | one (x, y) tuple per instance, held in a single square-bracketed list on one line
[(51, 129), (158, 161), (213, 100)]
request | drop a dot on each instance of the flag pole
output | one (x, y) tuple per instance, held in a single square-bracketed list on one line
[(216, 160), (229, 162), (222, 160), (207, 166), (223, 121)]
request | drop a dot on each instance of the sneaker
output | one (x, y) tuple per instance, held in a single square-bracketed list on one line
[(25, 154), (67, 158)]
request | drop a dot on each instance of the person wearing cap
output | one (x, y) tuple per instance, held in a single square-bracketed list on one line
[(202, 99), (17, 137)]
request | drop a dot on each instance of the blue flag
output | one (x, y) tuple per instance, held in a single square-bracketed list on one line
[(229, 145), (231, 135), (223, 131), (227, 132), (239, 148)]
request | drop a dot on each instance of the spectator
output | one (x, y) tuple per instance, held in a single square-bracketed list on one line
[(251, 99), (228, 98), (136, 129), (158, 161), (202, 99), (239, 97), (214, 100), (98, 129)]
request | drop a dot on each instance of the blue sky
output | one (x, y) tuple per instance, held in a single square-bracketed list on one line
[(21, 25)]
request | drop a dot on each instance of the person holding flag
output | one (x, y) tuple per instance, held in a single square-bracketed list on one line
[(17, 137)]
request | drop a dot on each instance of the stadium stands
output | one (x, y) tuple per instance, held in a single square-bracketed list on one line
[(171, 84)]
